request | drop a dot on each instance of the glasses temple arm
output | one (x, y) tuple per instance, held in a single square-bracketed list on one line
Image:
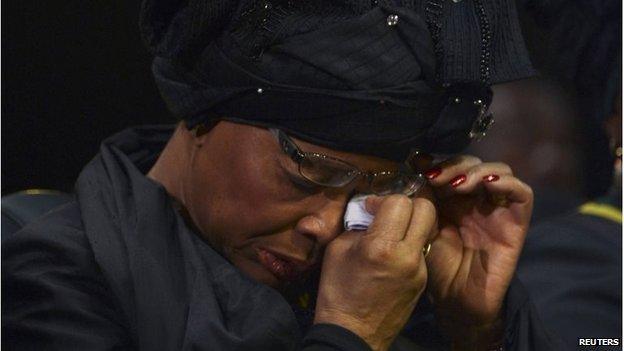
[(287, 145)]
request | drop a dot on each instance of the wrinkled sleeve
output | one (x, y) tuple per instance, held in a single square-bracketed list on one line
[(524, 330), (53, 297), (331, 337)]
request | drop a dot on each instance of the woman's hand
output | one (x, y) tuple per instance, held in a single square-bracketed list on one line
[(371, 281), (484, 214)]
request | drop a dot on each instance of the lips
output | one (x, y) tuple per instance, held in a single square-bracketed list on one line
[(284, 268)]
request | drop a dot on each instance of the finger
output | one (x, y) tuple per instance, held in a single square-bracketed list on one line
[(510, 188), (443, 172), (473, 179), (422, 224), (426, 193), (392, 218)]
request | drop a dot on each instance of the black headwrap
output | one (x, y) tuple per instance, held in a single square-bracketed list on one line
[(372, 77)]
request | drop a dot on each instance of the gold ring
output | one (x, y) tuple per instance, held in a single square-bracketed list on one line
[(426, 249)]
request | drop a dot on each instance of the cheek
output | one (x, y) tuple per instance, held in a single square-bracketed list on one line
[(239, 200), (248, 194)]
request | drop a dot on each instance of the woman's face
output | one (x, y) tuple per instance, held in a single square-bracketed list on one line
[(247, 198)]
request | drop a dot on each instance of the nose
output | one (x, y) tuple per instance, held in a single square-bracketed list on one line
[(324, 223)]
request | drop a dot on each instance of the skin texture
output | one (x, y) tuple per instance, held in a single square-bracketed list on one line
[(244, 195), (361, 270), (237, 187), (482, 230)]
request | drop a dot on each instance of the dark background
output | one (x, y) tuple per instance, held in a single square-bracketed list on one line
[(75, 72)]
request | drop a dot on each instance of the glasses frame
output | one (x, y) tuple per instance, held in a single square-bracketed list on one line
[(290, 148)]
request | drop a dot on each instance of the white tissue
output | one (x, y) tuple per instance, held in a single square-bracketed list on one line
[(356, 217)]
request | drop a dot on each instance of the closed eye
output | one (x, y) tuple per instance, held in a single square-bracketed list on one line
[(297, 182), (303, 184)]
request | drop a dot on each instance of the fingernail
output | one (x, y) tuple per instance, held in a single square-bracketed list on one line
[(457, 181), (491, 178), (432, 173)]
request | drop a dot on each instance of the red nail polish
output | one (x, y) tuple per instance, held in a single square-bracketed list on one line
[(432, 173), (491, 178), (457, 181)]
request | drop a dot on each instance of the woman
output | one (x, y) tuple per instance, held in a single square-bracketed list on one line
[(202, 239)]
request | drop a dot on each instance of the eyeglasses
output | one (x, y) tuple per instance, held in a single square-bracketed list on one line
[(331, 172)]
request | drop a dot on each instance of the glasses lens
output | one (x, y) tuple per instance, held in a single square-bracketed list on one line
[(326, 171), (386, 183)]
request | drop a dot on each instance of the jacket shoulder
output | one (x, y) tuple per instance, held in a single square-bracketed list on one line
[(54, 296)]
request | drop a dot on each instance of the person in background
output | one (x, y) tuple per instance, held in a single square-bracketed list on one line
[(572, 265), (535, 133)]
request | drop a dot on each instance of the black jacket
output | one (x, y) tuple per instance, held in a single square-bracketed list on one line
[(119, 269), (572, 268)]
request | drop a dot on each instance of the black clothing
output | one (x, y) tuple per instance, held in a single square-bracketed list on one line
[(120, 269), (370, 77), (572, 268)]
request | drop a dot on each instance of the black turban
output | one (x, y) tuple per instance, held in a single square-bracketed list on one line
[(371, 77)]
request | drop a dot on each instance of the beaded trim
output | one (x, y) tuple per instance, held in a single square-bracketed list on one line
[(433, 12), (254, 21), (486, 43)]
